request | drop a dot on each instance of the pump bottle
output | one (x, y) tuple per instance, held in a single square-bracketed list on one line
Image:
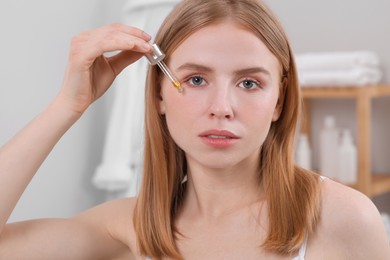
[(347, 159), (303, 152), (329, 148)]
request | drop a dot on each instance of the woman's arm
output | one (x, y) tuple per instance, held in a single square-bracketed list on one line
[(89, 74), (103, 232), (21, 157)]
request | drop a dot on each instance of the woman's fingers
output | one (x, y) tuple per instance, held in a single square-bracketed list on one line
[(118, 37), (129, 30), (90, 72), (87, 46), (117, 40), (123, 59)]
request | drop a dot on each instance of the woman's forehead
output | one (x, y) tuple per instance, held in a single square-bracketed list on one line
[(222, 43)]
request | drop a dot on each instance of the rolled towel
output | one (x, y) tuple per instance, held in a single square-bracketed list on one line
[(340, 78), (132, 5), (121, 177), (336, 60)]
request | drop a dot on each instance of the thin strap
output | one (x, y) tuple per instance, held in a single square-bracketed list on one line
[(182, 181), (302, 250)]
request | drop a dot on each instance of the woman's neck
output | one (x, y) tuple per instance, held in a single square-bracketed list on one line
[(212, 193)]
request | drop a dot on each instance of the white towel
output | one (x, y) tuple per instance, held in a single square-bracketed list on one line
[(122, 154), (131, 5), (337, 78), (120, 171), (336, 60)]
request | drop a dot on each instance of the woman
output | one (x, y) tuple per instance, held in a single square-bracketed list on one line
[(219, 179)]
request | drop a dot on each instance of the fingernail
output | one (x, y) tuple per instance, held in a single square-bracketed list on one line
[(146, 46)]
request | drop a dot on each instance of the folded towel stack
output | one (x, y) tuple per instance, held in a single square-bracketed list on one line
[(338, 69)]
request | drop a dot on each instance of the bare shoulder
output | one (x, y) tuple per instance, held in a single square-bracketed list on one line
[(351, 224), (342, 202)]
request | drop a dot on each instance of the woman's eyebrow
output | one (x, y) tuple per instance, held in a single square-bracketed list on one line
[(194, 66), (252, 71), (203, 68)]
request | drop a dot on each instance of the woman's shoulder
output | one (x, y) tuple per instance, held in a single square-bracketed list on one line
[(121, 209), (350, 221), (346, 201)]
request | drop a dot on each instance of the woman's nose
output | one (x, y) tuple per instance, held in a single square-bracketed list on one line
[(221, 103)]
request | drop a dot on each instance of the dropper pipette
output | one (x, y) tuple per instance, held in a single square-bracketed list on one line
[(157, 58)]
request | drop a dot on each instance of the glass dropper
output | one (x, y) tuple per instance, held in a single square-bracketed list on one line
[(157, 58)]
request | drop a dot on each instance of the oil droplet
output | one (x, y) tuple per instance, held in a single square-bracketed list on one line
[(178, 86)]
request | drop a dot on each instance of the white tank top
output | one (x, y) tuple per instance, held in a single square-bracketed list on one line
[(302, 251), (300, 256)]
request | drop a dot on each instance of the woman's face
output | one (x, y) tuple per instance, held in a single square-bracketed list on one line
[(231, 88)]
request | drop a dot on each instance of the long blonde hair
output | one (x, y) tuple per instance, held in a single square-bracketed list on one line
[(293, 194)]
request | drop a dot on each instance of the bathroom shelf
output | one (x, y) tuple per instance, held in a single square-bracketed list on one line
[(372, 184)]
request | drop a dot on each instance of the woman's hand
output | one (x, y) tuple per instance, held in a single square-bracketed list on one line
[(90, 73)]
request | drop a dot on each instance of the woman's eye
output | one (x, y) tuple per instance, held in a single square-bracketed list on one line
[(196, 81), (249, 84)]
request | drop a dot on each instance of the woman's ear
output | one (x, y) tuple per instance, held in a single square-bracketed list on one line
[(279, 105)]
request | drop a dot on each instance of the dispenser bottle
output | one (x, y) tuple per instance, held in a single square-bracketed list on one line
[(329, 148), (303, 152), (347, 159)]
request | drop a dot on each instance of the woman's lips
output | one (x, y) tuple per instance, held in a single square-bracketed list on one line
[(219, 138)]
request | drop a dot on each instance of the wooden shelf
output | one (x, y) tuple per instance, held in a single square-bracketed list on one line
[(346, 92), (368, 183), (380, 184)]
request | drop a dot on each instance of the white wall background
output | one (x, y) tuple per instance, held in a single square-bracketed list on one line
[(35, 37)]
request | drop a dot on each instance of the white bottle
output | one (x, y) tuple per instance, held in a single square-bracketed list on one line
[(303, 152), (329, 149), (347, 159)]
